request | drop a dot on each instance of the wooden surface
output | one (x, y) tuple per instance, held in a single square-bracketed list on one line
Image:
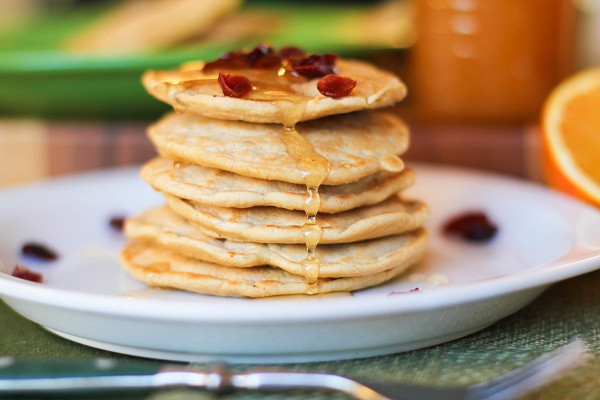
[(31, 150)]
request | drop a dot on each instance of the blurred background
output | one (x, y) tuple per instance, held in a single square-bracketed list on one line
[(478, 71)]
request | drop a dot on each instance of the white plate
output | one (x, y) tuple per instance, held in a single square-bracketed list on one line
[(543, 238)]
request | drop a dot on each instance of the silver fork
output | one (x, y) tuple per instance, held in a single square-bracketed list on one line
[(530, 376)]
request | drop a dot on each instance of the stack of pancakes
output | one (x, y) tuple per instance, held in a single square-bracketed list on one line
[(280, 191)]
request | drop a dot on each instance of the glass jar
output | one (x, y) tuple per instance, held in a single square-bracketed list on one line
[(489, 60)]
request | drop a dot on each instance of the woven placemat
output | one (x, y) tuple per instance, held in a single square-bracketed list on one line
[(566, 310)]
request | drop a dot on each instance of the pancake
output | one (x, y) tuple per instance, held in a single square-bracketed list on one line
[(161, 267), (275, 99), (281, 178), (225, 189), (355, 145), (276, 225), (164, 227)]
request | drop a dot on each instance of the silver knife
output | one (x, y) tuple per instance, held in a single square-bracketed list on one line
[(31, 376), (37, 376)]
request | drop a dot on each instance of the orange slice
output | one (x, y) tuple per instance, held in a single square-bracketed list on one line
[(570, 130)]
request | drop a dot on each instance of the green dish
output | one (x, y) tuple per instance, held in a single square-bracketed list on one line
[(39, 79)]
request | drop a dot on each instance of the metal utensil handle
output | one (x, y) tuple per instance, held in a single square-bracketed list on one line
[(38, 376), (262, 380)]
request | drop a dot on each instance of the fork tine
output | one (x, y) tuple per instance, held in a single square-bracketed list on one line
[(533, 375)]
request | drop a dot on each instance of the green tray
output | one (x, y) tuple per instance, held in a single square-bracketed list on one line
[(37, 78)]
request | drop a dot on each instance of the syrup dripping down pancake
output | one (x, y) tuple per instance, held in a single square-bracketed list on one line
[(275, 225), (162, 226), (160, 267), (355, 145), (225, 189)]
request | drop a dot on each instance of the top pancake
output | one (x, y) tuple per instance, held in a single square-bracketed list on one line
[(274, 99), (354, 145)]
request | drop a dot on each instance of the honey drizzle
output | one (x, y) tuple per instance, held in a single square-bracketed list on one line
[(267, 86), (314, 169)]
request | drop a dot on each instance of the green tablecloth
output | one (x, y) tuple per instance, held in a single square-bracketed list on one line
[(566, 310)]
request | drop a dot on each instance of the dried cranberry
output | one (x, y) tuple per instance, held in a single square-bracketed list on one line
[(472, 226), (267, 62), (38, 251), (24, 273), (285, 53), (313, 66), (234, 85), (335, 86), (117, 223), (232, 60), (262, 56)]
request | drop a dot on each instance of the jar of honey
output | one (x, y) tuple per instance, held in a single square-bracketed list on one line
[(489, 60)]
